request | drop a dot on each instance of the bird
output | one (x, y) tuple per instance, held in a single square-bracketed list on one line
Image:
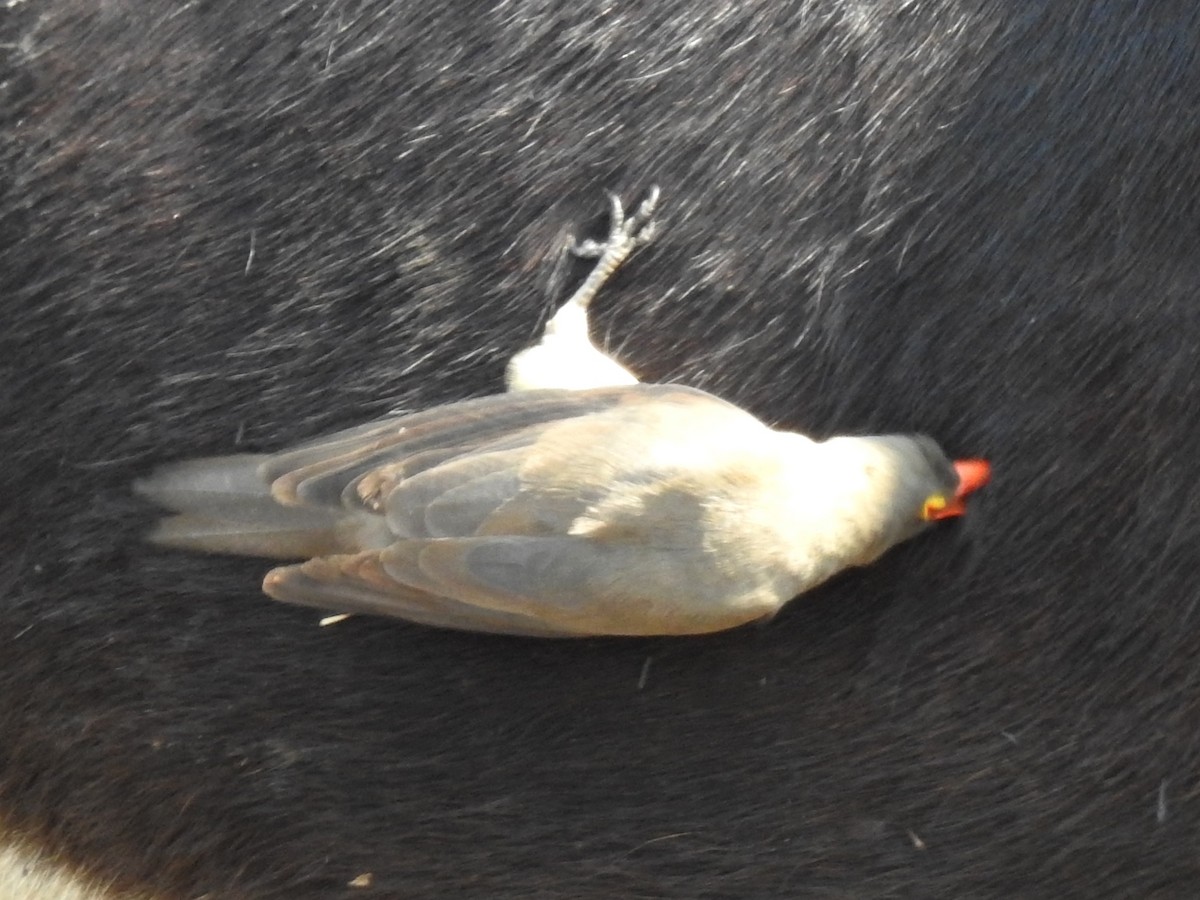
[(608, 507)]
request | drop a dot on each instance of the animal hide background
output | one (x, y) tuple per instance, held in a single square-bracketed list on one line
[(229, 226)]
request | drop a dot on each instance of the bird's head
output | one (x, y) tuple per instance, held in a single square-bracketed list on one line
[(903, 484), (925, 486)]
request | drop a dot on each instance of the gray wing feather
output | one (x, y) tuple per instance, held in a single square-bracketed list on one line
[(320, 471), (317, 498), (454, 499)]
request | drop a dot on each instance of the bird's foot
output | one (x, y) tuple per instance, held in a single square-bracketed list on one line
[(565, 356)]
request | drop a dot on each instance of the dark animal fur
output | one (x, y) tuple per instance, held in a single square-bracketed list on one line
[(228, 226)]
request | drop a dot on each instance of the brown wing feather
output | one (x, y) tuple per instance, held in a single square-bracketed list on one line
[(350, 584), (569, 585)]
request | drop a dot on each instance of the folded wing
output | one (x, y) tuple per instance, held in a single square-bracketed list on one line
[(536, 513)]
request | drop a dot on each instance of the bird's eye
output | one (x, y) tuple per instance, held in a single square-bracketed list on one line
[(934, 505)]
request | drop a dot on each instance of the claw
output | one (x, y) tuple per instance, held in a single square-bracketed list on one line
[(642, 219), (616, 211)]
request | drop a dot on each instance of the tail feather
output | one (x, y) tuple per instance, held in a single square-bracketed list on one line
[(225, 506), (216, 485)]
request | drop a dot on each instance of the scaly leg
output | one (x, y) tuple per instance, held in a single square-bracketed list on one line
[(565, 357)]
